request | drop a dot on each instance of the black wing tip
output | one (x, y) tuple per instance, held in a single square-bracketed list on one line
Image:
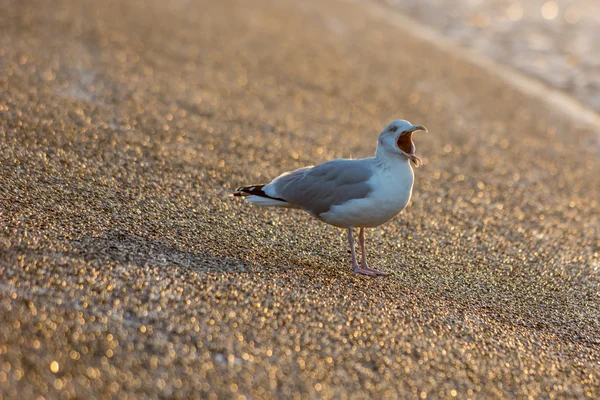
[(253, 190)]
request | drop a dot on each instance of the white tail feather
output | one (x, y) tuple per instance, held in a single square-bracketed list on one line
[(266, 202)]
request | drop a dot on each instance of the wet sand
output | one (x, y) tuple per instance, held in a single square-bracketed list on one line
[(127, 270)]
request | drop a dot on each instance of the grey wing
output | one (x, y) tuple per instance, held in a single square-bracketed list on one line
[(317, 188)]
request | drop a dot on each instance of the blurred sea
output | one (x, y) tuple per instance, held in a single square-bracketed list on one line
[(557, 41)]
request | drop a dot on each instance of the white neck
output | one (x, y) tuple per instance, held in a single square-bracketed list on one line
[(388, 159)]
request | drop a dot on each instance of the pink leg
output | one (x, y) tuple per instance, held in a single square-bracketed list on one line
[(363, 252), (355, 267)]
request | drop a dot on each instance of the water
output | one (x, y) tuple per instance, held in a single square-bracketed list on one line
[(557, 42)]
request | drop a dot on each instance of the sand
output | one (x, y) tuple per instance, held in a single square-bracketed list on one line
[(127, 271)]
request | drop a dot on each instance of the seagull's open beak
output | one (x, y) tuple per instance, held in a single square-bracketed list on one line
[(414, 158), (405, 143)]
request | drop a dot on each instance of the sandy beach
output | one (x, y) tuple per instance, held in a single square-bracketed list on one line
[(127, 271)]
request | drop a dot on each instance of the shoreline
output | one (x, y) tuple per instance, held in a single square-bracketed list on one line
[(549, 42)]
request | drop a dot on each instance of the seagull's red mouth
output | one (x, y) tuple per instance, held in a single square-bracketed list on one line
[(406, 144)]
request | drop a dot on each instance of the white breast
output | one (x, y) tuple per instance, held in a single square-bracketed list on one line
[(392, 188)]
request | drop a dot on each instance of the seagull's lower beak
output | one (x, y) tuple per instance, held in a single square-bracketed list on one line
[(415, 159)]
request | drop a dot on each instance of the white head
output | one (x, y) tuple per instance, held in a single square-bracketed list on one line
[(396, 139)]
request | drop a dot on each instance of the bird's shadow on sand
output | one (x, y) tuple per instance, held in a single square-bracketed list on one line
[(126, 248)]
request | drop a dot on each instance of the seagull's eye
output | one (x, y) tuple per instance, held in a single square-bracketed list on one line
[(393, 129)]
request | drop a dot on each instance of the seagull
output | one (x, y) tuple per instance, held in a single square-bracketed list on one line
[(350, 193)]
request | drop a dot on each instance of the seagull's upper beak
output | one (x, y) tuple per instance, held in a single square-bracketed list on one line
[(418, 128)]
